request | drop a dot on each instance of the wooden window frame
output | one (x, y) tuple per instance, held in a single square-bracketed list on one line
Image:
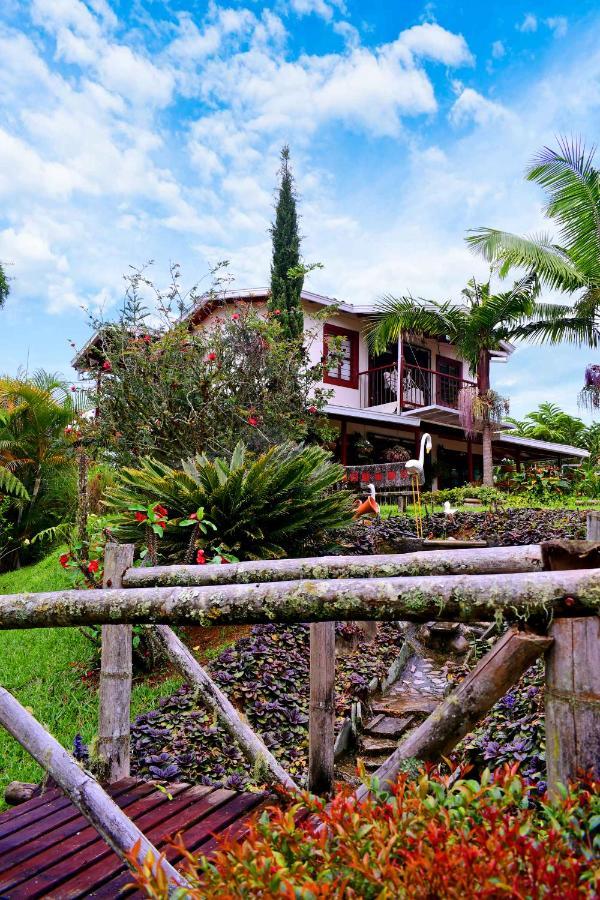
[(439, 375), (353, 336)]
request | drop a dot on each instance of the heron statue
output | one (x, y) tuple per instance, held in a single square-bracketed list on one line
[(415, 468)]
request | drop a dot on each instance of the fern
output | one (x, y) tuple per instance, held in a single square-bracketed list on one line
[(11, 485), (262, 507)]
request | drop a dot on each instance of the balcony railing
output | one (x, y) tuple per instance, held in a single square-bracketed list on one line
[(414, 388)]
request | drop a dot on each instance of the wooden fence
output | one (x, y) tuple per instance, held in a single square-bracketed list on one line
[(550, 593)]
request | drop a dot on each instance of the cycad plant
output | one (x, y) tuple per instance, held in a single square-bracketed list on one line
[(569, 263), (262, 506), (477, 327)]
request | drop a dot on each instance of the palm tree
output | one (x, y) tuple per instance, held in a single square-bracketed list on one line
[(572, 264), (550, 423), (37, 419), (477, 328)]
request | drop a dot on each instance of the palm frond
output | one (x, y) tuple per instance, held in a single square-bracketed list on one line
[(396, 315), (535, 253), (11, 485), (573, 185)]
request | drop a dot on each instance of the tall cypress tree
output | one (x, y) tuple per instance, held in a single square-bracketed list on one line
[(286, 288)]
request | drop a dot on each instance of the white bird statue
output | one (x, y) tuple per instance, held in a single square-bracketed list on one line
[(448, 510), (415, 468)]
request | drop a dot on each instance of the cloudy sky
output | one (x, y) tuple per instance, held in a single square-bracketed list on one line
[(135, 129)]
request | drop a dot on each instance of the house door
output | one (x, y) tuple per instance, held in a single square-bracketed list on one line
[(448, 384)]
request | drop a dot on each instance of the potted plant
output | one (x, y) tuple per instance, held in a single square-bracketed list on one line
[(396, 454)]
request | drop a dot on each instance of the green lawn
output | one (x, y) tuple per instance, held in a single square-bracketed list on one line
[(44, 667)]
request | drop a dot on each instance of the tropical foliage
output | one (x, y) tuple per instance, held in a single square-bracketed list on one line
[(258, 506), (286, 271), (549, 423), (176, 392), (435, 836), (38, 432), (478, 327)]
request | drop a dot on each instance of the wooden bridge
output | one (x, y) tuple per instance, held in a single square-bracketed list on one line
[(72, 840)]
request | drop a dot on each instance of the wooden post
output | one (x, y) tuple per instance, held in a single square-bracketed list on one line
[(572, 694), (115, 677), (83, 790), (322, 707), (493, 675), (344, 442), (470, 473)]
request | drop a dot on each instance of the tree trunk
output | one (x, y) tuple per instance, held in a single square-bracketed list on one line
[(457, 714), (488, 460), (534, 596), (82, 496)]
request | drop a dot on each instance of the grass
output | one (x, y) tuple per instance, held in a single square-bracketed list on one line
[(43, 668)]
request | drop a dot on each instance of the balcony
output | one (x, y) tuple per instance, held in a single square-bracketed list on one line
[(382, 389)]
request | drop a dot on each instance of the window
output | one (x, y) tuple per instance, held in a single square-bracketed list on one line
[(342, 368)]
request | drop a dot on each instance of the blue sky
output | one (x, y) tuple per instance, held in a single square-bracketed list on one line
[(133, 130)]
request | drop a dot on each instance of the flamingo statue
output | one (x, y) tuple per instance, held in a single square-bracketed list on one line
[(415, 467), (370, 505)]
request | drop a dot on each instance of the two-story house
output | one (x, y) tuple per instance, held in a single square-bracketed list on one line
[(378, 402), (381, 401)]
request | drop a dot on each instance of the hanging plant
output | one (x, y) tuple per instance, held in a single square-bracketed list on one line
[(476, 410), (589, 396)]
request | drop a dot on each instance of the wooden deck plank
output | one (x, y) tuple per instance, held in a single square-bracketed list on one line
[(74, 837), (66, 858), (216, 819), (156, 832), (18, 842), (53, 880)]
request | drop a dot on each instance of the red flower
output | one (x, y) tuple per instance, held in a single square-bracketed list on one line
[(73, 388), (276, 312), (200, 558), (140, 517), (235, 317), (312, 409), (193, 516), (64, 559), (68, 429), (93, 566), (252, 420), (162, 524), (106, 365), (146, 339), (211, 357), (160, 510)]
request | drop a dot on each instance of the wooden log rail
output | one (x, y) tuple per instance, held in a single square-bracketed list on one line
[(447, 585), (535, 596)]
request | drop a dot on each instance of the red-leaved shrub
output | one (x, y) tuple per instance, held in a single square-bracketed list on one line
[(434, 837)]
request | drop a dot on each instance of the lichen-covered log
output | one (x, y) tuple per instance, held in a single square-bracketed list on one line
[(83, 790), (250, 743), (492, 677), (449, 561), (460, 598)]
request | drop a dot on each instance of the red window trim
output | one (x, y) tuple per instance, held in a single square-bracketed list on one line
[(353, 336)]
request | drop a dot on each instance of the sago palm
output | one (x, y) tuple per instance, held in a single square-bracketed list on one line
[(550, 423), (569, 263), (477, 328)]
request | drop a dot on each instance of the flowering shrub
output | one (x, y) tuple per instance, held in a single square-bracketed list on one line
[(174, 391), (434, 838)]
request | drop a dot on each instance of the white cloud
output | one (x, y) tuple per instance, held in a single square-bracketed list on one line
[(529, 23), (558, 24), (348, 32), (431, 41), (471, 106), (323, 8), (498, 50)]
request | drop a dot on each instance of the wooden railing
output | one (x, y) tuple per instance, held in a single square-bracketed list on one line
[(550, 592), (416, 387)]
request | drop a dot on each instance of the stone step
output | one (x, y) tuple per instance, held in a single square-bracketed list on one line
[(371, 763), (372, 746), (401, 705), (387, 726)]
